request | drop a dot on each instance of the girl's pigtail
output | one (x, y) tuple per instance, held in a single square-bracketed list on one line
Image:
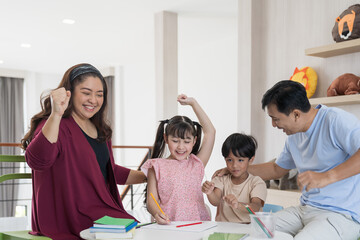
[(159, 144), (198, 129)]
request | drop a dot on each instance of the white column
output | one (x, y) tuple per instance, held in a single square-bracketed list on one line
[(252, 71), (166, 64), (244, 65)]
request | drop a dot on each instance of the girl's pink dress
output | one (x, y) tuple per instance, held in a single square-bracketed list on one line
[(179, 187)]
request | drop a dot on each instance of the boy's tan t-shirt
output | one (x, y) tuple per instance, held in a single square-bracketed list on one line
[(252, 187)]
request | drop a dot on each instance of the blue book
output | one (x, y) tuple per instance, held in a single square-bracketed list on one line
[(110, 230)]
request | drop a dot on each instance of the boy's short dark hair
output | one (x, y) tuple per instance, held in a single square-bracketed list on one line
[(287, 96), (240, 145)]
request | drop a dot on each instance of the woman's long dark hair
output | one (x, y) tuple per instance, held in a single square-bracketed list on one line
[(103, 128)]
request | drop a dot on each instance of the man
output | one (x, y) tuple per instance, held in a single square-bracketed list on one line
[(323, 145)]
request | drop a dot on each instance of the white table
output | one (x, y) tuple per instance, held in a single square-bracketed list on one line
[(226, 227)]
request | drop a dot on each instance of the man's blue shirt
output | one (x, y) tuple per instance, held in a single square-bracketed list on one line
[(332, 138)]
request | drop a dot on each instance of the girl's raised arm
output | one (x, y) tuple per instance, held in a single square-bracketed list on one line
[(208, 128)]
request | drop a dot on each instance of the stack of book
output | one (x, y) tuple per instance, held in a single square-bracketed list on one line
[(111, 228)]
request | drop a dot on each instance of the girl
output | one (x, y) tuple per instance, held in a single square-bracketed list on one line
[(175, 181)]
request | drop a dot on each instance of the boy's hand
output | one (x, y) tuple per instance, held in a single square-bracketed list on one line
[(208, 187), (231, 200), (162, 219)]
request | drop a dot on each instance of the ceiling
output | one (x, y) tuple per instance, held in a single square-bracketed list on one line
[(105, 33)]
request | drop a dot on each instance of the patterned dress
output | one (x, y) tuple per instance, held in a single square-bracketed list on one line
[(179, 187)]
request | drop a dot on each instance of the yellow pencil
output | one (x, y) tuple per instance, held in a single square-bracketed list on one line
[(157, 204)]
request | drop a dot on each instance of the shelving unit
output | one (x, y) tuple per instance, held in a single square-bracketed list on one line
[(332, 50), (335, 49), (336, 100)]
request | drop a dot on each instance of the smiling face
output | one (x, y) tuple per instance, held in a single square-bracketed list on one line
[(88, 98), (288, 124), (180, 148), (238, 167)]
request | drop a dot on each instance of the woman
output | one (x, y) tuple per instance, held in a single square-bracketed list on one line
[(69, 150)]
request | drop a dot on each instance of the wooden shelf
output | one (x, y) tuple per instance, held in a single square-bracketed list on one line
[(335, 49), (336, 100)]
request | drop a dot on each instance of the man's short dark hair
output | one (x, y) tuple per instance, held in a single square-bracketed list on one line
[(287, 95)]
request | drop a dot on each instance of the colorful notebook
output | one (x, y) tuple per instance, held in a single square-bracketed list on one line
[(119, 223)]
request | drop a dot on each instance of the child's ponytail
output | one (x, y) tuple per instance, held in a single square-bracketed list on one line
[(159, 144), (198, 128)]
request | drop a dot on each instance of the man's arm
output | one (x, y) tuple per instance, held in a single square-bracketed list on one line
[(347, 169), (267, 171)]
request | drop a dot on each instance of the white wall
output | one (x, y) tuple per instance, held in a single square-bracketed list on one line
[(138, 113), (207, 71), (35, 85)]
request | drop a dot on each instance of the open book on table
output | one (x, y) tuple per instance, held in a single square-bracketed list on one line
[(187, 226)]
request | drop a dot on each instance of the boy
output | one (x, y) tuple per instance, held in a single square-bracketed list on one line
[(230, 193)]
